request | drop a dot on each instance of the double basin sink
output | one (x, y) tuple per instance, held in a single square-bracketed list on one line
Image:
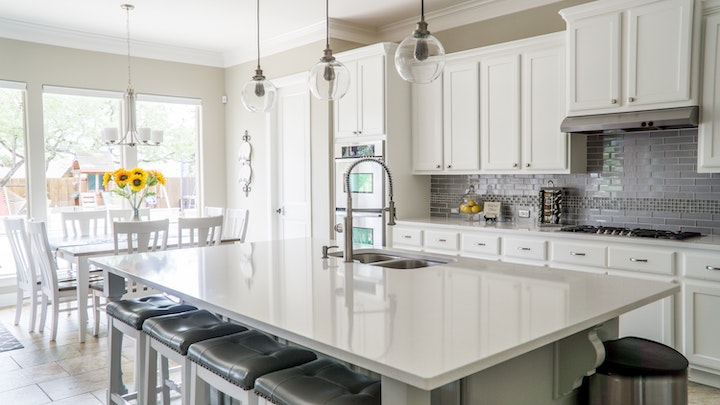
[(393, 259)]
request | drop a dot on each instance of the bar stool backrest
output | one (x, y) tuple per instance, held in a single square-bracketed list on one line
[(140, 236)]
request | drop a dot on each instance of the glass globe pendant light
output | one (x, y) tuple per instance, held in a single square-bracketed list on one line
[(329, 79), (420, 58), (258, 94)]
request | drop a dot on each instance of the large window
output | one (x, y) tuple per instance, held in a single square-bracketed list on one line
[(76, 157), (13, 182)]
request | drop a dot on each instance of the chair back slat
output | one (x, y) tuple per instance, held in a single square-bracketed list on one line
[(236, 223), (83, 223), (140, 236), (20, 246), (202, 231), (43, 258)]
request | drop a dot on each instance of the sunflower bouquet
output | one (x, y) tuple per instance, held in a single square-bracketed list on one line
[(134, 185)]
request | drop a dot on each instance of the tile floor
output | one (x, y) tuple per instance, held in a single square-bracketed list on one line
[(68, 372)]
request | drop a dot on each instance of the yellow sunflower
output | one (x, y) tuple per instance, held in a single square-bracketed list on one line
[(138, 181), (121, 177), (106, 178), (159, 176)]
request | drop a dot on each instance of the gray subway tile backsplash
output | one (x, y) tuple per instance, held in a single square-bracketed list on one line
[(640, 179)]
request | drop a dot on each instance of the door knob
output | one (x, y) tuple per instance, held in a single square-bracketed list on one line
[(338, 228), (280, 210)]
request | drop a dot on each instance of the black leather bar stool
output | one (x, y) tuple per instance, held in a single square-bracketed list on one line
[(171, 336), (125, 318), (323, 381), (231, 364)]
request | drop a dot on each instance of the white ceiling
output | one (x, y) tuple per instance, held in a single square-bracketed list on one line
[(223, 32)]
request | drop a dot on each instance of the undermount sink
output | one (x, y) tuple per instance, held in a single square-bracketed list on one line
[(393, 259)]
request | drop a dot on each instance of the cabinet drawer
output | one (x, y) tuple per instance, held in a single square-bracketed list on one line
[(407, 237), (524, 248), (480, 244), (578, 253), (440, 240), (702, 265), (647, 260)]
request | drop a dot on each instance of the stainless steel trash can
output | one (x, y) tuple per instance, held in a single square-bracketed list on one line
[(638, 371)]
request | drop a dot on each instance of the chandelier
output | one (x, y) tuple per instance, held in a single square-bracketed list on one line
[(132, 136)]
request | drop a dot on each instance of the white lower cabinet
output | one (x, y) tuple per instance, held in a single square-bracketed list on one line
[(444, 242), (479, 245), (579, 254), (702, 325), (407, 238), (524, 249)]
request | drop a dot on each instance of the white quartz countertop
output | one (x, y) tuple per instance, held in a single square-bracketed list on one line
[(425, 327), (519, 228)]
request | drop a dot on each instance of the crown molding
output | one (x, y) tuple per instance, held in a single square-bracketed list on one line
[(458, 15), (23, 31)]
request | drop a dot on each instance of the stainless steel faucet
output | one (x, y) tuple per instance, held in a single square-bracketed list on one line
[(349, 218)]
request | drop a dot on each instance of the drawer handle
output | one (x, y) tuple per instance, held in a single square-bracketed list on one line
[(632, 259), (407, 236), (442, 240), (524, 248), (712, 268), (577, 254), (481, 244)]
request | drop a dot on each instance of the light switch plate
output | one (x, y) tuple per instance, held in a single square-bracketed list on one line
[(524, 213)]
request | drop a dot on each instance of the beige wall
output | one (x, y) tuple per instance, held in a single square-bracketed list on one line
[(525, 24), (39, 65)]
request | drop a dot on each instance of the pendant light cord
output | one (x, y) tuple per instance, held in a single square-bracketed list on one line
[(422, 10), (327, 24), (257, 25), (127, 8)]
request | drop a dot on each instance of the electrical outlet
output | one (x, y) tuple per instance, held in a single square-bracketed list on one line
[(524, 213), (454, 210)]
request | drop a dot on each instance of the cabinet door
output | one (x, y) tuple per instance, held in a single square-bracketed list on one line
[(702, 324), (346, 109), (709, 132), (500, 113), (544, 147), (371, 95), (658, 52), (460, 117), (594, 62), (427, 133)]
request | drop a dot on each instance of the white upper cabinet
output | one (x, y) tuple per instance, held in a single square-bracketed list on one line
[(626, 55), (522, 104), (427, 137), (361, 112), (461, 140), (500, 112), (709, 131)]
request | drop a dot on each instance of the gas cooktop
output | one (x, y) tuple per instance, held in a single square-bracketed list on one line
[(637, 232)]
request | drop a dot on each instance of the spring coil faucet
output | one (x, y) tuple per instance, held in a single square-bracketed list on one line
[(349, 219)]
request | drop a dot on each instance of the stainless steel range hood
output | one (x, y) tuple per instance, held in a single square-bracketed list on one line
[(650, 120)]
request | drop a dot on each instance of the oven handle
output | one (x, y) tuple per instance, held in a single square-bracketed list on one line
[(361, 212)]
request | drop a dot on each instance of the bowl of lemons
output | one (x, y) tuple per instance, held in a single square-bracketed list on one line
[(472, 208)]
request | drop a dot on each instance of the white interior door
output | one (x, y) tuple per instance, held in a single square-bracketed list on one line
[(292, 136)]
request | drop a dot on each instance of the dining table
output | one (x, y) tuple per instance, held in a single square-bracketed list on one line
[(77, 250), (462, 331)]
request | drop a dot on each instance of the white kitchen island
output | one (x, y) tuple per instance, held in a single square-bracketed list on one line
[(474, 331)]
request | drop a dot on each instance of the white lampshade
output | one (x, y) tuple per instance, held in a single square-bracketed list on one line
[(110, 135), (156, 137), (144, 134)]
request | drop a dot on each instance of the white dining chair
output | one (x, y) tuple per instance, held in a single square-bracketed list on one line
[(27, 280), (53, 290), (201, 231), (214, 211), (236, 221), (132, 237), (84, 223)]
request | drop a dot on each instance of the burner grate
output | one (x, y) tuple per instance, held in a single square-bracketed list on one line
[(637, 232)]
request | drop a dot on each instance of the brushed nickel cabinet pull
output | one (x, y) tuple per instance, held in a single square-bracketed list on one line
[(577, 254), (631, 99), (524, 248), (613, 101), (407, 236), (481, 244), (442, 240), (712, 268), (632, 259), (438, 166)]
